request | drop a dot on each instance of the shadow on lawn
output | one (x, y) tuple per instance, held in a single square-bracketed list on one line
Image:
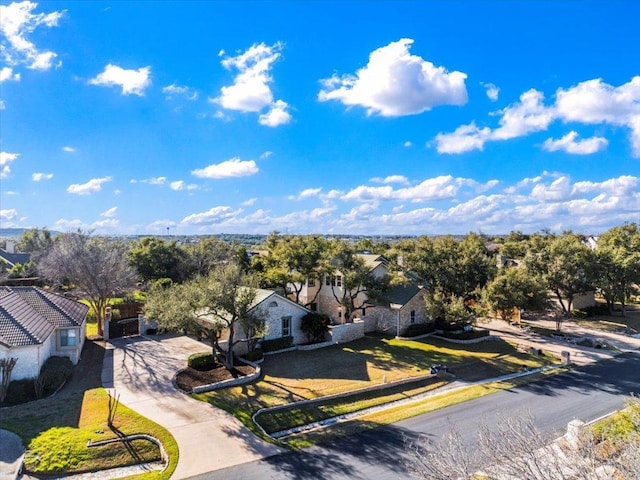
[(377, 445)]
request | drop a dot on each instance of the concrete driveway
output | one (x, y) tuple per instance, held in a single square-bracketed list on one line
[(141, 368)]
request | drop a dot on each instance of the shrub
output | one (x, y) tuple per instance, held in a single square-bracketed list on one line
[(277, 344), (598, 309), (20, 391), (201, 361), (255, 355), (416, 329), (578, 313), (54, 372), (315, 326), (466, 335)]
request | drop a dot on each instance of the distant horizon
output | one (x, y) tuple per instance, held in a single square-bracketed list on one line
[(344, 117)]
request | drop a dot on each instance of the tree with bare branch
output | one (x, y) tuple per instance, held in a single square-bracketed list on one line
[(95, 265)]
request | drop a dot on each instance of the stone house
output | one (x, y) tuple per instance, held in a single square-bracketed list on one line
[(400, 306), (35, 325)]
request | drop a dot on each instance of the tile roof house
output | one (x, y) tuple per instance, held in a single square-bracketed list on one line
[(35, 325)]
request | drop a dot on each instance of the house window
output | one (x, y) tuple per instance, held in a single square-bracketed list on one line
[(68, 338), (313, 307), (286, 326), (364, 312), (339, 313), (336, 281), (311, 282), (413, 316), (328, 280), (273, 304)]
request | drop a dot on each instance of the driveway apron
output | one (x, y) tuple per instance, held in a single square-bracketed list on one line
[(140, 369)]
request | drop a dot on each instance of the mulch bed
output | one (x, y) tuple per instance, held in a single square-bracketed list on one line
[(190, 377)]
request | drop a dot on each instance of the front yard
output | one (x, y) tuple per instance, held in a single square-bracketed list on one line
[(373, 360)]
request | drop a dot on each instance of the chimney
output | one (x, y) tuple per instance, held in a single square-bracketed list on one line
[(10, 246)]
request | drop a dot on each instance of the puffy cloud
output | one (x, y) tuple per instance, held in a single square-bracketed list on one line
[(251, 88), (210, 217), (559, 189), (589, 102), (391, 179), (621, 186), (92, 186), (234, 167), (395, 83), (277, 115), (174, 90), (266, 154), (132, 82), (8, 214), (180, 185), (441, 187), (407, 144), (306, 193), (109, 213), (105, 225), (17, 23), (571, 144), (68, 149), (492, 91), (248, 202), (6, 74), (37, 177), (5, 159)]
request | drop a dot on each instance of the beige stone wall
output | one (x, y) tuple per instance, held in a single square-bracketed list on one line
[(347, 332)]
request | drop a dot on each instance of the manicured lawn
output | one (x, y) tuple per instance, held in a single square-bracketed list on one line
[(369, 361), (55, 430), (614, 323)]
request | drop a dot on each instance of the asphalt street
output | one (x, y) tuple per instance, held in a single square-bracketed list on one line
[(585, 393)]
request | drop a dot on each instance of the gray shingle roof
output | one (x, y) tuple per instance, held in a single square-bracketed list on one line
[(28, 315), (14, 258)]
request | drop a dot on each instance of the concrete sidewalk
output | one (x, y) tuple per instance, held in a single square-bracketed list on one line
[(140, 369)]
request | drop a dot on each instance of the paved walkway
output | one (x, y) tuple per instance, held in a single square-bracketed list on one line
[(11, 453), (141, 368)]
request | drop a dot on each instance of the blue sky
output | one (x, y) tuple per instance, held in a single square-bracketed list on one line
[(319, 117)]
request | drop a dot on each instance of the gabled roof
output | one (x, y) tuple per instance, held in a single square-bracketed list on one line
[(28, 315), (372, 260), (399, 294), (262, 295), (14, 258)]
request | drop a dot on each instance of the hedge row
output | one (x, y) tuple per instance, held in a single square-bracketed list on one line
[(277, 344)]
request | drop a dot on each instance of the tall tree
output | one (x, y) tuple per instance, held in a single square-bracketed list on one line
[(566, 265), (154, 258), (35, 242), (206, 255), (359, 287), (96, 266), (515, 288), (618, 258), (208, 306), (293, 260)]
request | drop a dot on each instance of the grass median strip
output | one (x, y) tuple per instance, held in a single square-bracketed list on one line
[(299, 415)]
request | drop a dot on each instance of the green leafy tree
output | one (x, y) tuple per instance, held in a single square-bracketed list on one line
[(359, 286), (565, 264), (154, 258), (95, 265), (206, 255), (36, 242), (208, 307), (292, 260), (515, 288), (23, 270), (315, 326), (618, 259)]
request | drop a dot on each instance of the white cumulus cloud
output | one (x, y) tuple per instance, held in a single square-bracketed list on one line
[(234, 167), (132, 82), (109, 213), (17, 23), (492, 91), (180, 185), (251, 88), (5, 159), (39, 176), (210, 217), (92, 186), (391, 179), (68, 149), (6, 74), (174, 90), (8, 213), (306, 193), (570, 143), (395, 83)]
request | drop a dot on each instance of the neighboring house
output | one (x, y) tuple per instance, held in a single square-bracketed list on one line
[(10, 257), (35, 325), (400, 306), (283, 318)]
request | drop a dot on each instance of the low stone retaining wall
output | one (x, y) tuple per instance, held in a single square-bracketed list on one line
[(232, 382), (488, 338), (314, 346)]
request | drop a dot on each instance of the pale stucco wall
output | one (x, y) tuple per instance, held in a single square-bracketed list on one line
[(30, 358)]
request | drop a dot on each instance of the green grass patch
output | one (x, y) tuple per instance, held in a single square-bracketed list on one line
[(620, 425), (56, 431)]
